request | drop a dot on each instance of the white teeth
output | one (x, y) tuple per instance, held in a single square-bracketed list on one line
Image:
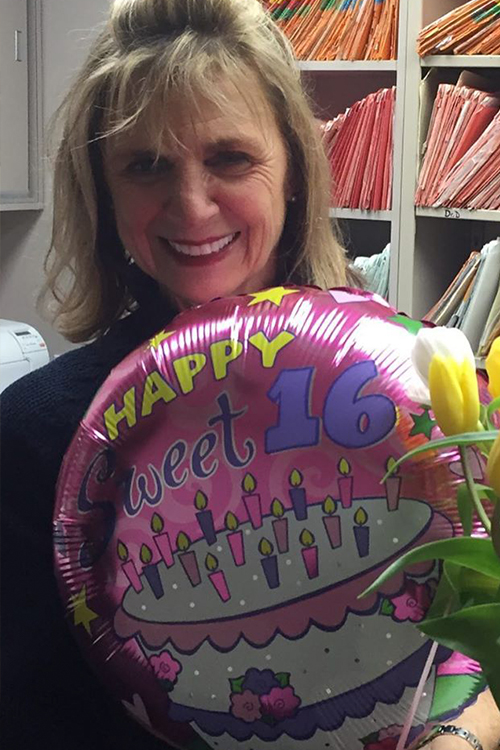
[(206, 249)]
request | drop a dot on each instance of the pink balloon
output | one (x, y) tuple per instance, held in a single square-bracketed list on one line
[(220, 509)]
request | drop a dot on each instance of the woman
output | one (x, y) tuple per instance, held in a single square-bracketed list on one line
[(189, 167)]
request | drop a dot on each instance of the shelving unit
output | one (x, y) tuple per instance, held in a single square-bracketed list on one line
[(428, 245)]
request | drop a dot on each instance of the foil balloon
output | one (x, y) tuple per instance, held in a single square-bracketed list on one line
[(220, 509)]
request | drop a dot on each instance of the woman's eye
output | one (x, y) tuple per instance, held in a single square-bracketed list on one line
[(147, 166), (230, 160)]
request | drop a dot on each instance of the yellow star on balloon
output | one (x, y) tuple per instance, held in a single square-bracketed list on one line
[(159, 338), (82, 614), (274, 295)]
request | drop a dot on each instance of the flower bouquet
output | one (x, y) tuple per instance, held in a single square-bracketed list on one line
[(465, 613)]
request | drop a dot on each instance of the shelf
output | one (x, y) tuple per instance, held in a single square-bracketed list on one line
[(461, 61), (458, 213), (346, 66), (357, 213)]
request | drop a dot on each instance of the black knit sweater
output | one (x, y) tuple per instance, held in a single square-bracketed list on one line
[(50, 698)]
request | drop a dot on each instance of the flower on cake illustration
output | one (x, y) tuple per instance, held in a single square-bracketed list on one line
[(166, 669), (384, 739), (263, 695)]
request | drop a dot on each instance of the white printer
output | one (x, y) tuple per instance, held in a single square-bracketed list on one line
[(22, 349)]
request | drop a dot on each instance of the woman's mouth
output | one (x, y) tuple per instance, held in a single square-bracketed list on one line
[(205, 249)]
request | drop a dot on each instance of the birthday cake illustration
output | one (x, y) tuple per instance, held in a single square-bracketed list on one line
[(221, 510)]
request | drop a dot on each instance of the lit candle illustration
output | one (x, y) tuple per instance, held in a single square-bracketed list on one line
[(151, 572), (332, 522), (252, 501), (392, 486), (345, 483), (129, 568), (235, 539), (217, 577), (162, 540), (309, 553), (280, 525), (188, 559), (205, 517), (298, 495), (361, 532), (269, 563)]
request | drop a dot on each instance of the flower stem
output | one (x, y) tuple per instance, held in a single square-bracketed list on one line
[(473, 491)]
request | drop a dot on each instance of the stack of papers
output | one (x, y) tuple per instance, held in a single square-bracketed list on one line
[(339, 29), (461, 164), (471, 29), (359, 144), (375, 271), (472, 301)]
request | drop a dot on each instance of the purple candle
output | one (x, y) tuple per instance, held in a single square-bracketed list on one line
[(269, 563), (151, 572), (235, 539), (345, 483), (252, 501), (361, 532), (188, 559), (332, 523), (217, 577), (129, 568), (298, 496), (392, 487), (280, 525), (309, 554), (204, 517), (162, 540)]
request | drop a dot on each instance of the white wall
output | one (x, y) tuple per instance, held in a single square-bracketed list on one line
[(67, 28)]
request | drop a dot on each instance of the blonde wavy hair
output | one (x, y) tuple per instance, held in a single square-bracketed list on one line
[(149, 50)]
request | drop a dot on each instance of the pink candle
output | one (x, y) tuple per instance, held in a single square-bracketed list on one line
[(129, 568), (309, 554), (162, 540), (188, 559), (332, 523), (345, 483), (235, 539), (217, 577), (280, 525), (252, 501), (392, 487)]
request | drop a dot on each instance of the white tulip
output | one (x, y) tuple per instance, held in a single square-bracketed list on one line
[(448, 342)]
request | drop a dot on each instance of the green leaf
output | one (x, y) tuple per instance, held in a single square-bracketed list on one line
[(477, 588), (386, 608), (495, 530), (373, 737), (445, 597), (492, 407), (486, 492), (283, 678), (465, 508), (474, 632), (466, 438), (470, 552), (237, 684)]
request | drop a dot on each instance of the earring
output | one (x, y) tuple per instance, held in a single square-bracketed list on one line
[(293, 199)]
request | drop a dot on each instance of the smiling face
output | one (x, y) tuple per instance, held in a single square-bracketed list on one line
[(203, 214)]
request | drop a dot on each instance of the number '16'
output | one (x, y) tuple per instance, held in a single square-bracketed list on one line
[(349, 418)]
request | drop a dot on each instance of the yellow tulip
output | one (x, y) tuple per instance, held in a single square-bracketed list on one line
[(454, 394), (493, 466), (493, 369)]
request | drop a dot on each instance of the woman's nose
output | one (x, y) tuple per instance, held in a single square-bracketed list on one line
[(192, 198)]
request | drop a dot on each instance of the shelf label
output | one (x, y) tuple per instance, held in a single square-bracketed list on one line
[(452, 213)]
